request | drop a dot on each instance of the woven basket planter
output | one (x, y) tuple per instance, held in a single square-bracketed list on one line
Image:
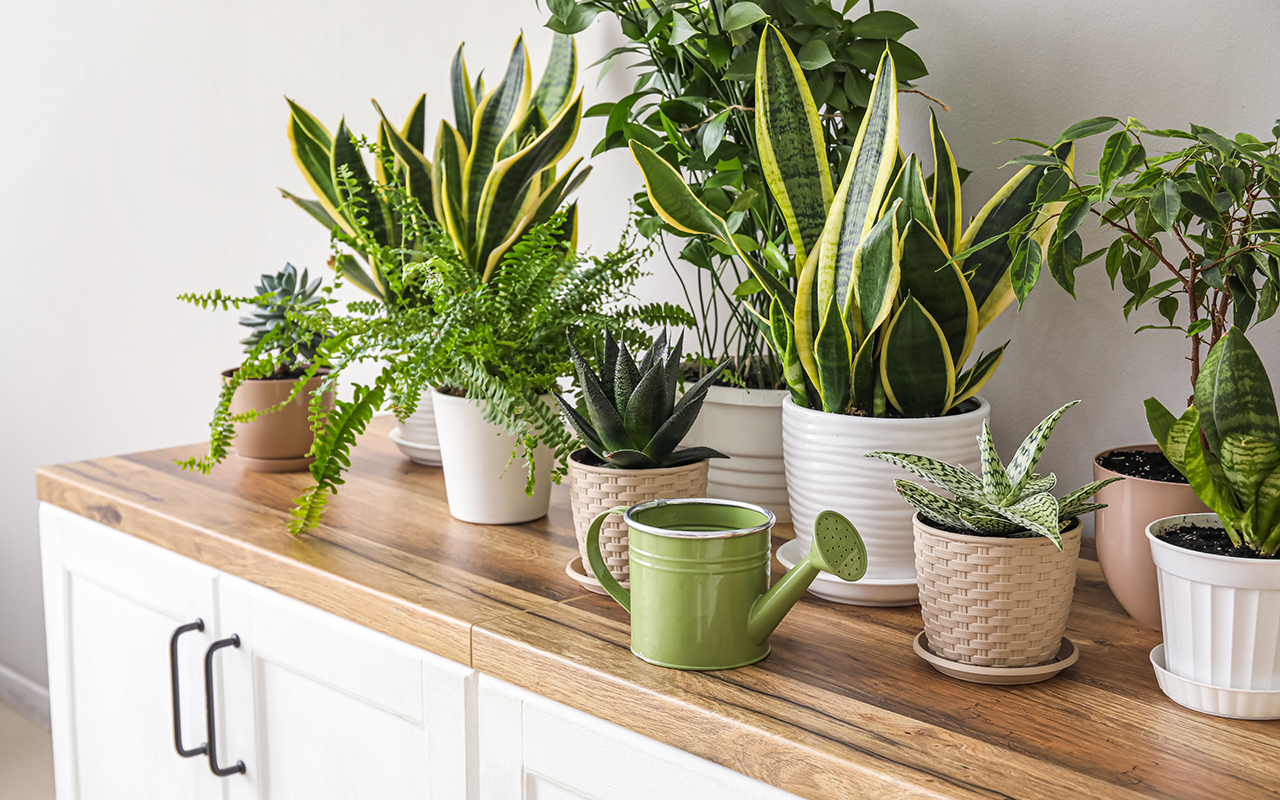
[(594, 488), (991, 601)]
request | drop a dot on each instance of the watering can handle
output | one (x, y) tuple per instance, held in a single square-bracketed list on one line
[(596, 559)]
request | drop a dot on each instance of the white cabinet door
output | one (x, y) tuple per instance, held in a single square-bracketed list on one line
[(532, 748), (112, 602), (318, 707)]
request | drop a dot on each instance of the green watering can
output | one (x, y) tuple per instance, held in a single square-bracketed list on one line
[(700, 596)]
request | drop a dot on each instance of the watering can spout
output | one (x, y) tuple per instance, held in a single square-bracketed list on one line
[(837, 548)]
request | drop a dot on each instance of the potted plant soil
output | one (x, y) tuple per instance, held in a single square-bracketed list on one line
[(1220, 572), (696, 109), (1194, 234), (891, 292), (996, 561), (631, 430), (267, 401)]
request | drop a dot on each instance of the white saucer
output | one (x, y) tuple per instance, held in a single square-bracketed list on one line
[(426, 454), (589, 582), (1230, 703), (1068, 654), (865, 592)]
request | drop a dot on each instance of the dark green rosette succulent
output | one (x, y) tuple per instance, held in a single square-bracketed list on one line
[(633, 420)]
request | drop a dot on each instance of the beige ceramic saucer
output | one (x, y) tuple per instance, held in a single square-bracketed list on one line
[(574, 570), (1068, 654), (277, 464)]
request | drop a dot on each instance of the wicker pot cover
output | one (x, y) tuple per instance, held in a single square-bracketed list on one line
[(593, 489), (991, 601)]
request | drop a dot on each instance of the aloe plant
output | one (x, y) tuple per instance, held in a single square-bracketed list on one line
[(1238, 474), (1011, 501), (493, 175), (633, 420), (893, 288)]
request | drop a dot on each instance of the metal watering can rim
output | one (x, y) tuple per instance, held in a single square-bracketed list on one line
[(629, 516)]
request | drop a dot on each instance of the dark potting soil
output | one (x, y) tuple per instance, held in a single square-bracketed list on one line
[(1149, 464), (1206, 539)]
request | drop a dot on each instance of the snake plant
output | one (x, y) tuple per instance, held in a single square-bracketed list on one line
[(893, 288), (492, 177), (633, 420), (1010, 501), (1238, 475)]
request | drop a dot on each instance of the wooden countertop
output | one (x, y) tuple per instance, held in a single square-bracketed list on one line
[(842, 708)]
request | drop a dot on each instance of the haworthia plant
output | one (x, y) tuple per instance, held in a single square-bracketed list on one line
[(1010, 501), (893, 288), (633, 420), (493, 174), (1238, 476)]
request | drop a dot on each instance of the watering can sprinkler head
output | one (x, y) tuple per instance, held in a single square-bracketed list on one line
[(837, 548)]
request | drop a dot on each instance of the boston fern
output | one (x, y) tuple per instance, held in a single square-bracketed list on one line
[(1010, 501), (633, 420)]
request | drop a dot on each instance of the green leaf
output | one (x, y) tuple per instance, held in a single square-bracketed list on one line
[(1087, 128), (1166, 203), (681, 30), (1234, 395), (1025, 270), (1160, 420), (1246, 462), (713, 133), (1024, 461), (881, 25), (1038, 513), (1065, 255), (833, 351), (940, 288), (1169, 308), (957, 480), (1115, 157), (815, 55), (931, 506), (996, 486), (915, 365), (748, 287), (1053, 185), (742, 14), (945, 191), (1073, 215)]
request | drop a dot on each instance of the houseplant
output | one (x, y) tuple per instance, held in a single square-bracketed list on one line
[(631, 429), (263, 406), (891, 296), (491, 178), (1195, 233), (997, 560), (1220, 572), (693, 103)]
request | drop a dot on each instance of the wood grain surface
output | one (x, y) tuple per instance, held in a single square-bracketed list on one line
[(842, 707)]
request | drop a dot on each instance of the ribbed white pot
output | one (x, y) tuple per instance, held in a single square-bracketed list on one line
[(823, 454), (416, 435), (1221, 614), (745, 425), (480, 486)]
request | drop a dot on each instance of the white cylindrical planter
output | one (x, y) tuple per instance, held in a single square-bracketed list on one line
[(746, 425), (1221, 614), (826, 469), (416, 437), (475, 454)]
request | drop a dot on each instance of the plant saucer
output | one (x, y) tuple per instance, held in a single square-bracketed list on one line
[(425, 454), (864, 592), (1068, 654), (276, 464), (1220, 702), (574, 570)]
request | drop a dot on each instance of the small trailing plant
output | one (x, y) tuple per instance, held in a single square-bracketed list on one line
[(492, 176), (279, 346), (1197, 229), (1227, 443), (1011, 501), (633, 420), (892, 288), (692, 102)]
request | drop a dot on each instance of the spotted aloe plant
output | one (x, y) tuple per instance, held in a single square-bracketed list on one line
[(633, 420), (1012, 501)]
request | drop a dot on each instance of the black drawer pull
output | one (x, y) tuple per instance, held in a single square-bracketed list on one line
[(238, 767), (198, 625)]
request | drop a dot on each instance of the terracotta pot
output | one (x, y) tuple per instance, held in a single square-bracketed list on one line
[(992, 601), (595, 488), (1121, 533), (277, 441), (746, 425)]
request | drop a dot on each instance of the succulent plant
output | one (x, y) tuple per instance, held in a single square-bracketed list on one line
[(1011, 501), (633, 420), (277, 295)]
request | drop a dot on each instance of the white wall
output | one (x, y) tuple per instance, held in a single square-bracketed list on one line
[(146, 137)]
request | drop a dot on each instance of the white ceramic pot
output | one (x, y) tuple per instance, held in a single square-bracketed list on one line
[(826, 469), (745, 425), (1221, 614), (416, 437), (480, 485)]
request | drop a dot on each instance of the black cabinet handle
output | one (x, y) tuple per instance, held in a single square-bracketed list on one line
[(198, 625), (238, 767)]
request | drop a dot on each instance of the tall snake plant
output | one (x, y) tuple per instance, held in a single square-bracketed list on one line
[(492, 177), (893, 288)]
